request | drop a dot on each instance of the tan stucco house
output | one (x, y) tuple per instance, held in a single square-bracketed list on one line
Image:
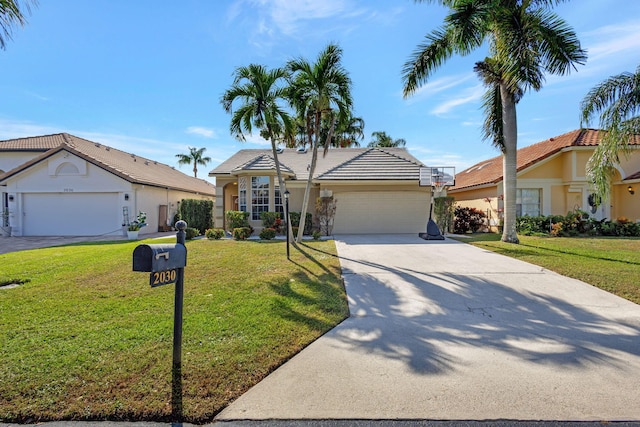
[(552, 180), (377, 189), (62, 185)]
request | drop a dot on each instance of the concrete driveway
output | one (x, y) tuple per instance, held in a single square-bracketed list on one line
[(444, 330)]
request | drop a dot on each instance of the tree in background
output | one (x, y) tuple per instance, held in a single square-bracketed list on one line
[(12, 14), (317, 90), (617, 102), (195, 156), (525, 41), (381, 139)]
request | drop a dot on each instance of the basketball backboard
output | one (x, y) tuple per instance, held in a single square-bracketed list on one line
[(438, 176)]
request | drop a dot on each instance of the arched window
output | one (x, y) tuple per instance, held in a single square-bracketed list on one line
[(67, 168)]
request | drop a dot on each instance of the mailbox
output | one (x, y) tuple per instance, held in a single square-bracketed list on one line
[(154, 258)]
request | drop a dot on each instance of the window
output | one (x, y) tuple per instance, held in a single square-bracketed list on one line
[(278, 202), (242, 194), (528, 202), (259, 196)]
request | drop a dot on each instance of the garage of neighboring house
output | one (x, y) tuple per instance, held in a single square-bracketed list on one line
[(377, 212), (74, 214)]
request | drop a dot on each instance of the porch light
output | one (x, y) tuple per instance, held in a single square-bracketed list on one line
[(286, 214), (631, 190)]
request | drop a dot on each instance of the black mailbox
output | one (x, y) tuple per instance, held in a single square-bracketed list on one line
[(163, 257)]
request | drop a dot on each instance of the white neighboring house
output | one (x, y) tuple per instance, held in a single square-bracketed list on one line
[(62, 185)]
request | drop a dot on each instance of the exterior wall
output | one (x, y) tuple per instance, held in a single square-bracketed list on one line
[(149, 199), (11, 160)]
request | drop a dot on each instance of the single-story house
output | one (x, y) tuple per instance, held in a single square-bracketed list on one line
[(376, 189), (62, 185), (552, 180)]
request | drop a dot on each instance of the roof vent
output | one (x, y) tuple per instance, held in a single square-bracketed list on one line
[(301, 150), (146, 163)]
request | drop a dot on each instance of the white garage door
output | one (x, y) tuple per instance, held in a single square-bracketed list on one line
[(380, 212), (70, 214)]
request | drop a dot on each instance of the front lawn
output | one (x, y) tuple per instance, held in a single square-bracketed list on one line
[(612, 264), (87, 338)]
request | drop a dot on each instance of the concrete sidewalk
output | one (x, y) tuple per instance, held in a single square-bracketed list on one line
[(441, 330)]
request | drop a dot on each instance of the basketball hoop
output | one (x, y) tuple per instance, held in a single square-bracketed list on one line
[(438, 178)]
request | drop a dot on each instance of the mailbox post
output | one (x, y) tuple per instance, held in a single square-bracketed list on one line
[(165, 263)]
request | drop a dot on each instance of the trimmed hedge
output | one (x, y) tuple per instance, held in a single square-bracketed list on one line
[(197, 213), (295, 222), (214, 233), (267, 233), (576, 223), (236, 219)]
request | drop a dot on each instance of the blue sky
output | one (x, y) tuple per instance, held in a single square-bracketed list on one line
[(146, 77)]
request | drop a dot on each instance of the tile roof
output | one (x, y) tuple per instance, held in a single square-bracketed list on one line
[(263, 162), (338, 164), (132, 168), (375, 164), (490, 171)]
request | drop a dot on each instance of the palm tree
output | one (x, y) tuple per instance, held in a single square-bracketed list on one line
[(348, 133), (12, 15), (261, 96), (195, 156), (617, 101), (381, 139), (525, 41), (317, 90)]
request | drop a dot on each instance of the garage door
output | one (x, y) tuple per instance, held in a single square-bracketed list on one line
[(70, 214), (381, 212)]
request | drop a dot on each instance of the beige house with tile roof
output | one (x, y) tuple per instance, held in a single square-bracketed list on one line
[(377, 189), (56, 185), (552, 180)]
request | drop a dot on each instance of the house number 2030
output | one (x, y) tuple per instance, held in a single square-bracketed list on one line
[(159, 278)]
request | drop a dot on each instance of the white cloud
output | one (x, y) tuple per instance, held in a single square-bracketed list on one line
[(467, 96), (202, 131), (611, 40)]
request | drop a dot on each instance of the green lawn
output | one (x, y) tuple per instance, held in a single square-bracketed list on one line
[(612, 264), (87, 338)]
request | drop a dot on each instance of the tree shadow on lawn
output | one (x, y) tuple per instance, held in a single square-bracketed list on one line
[(420, 317)]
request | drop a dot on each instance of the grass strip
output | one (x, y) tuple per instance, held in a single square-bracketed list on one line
[(609, 263)]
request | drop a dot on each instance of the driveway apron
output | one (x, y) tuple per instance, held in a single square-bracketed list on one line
[(443, 330)]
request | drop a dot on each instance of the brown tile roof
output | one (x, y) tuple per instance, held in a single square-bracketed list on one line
[(490, 171), (132, 168), (33, 143), (633, 176), (338, 164)]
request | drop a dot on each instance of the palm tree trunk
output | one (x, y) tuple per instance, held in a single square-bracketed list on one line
[(312, 169), (509, 164), (274, 150)]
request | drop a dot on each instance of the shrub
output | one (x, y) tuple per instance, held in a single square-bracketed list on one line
[(468, 220), (325, 212), (242, 233), (443, 212), (316, 235), (271, 220), (295, 222), (191, 233), (267, 233), (197, 213), (214, 233), (236, 219)]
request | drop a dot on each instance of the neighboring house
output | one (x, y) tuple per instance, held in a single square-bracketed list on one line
[(377, 189), (62, 185), (552, 180)]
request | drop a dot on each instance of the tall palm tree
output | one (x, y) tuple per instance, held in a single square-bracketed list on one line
[(525, 41), (382, 139), (348, 132), (617, 102), (12, 14), (262, 106), (195, 156), (317, 90)]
